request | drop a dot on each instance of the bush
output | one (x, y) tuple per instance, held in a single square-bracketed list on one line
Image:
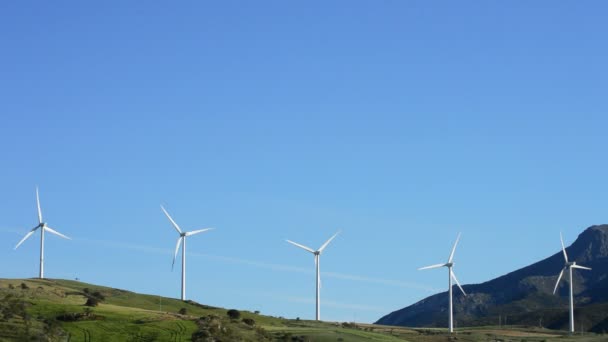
[(257, 312), (92, 301), (234, 314), (24, 286), (10, 286), (249, 321), (98, 295), (183, 311)]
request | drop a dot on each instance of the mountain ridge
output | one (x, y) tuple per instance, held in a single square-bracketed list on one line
[(521, 293)]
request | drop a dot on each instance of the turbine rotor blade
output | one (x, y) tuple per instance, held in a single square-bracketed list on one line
[(171, 219), (454, 249), (179, 242), (563, 247), (301, 246), (430, 267), (327, 242), (456, 280), (194, 232), (558, 279), (581, 267), (50, 230), (38, 205), (27, 236)]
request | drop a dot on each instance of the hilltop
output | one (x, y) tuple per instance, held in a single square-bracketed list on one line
[(524, 297), (55, 310)]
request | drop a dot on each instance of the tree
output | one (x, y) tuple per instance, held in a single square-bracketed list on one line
[(234, 314), (92, 301)]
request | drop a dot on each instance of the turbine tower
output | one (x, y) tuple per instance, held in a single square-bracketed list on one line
[(568, 265), (317, 255), (451, 276), (182, 238), (43, 227)]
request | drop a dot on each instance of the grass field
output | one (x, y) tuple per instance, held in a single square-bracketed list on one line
[(54, 310)]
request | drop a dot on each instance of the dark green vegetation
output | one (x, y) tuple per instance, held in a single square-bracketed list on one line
[(524, 297), (56, 310)]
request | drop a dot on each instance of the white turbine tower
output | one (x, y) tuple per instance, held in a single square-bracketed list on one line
[(43, 227), (451, 276), (182, 238), (317, 255), (569, 265)]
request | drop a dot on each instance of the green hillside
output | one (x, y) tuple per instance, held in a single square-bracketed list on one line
[(55, 310)]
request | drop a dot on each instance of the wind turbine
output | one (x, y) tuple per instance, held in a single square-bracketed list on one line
[(317, 255), (43, 227), (569, 265), (182, 238), (451, 276)]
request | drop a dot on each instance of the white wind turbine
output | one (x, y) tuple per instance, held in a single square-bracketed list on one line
[(451, 276), (43, 227), (317, 255), (182, 238), (569, 265)]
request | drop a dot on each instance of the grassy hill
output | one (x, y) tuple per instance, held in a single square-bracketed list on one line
[(55, 310)]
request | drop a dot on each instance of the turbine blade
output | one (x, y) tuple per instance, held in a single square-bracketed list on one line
[(558, 279), (457, 283), (454, 249), (301, 246), (50, 230), (171, 219), (581, 267), (194, 232), (27, 236), (328, 241), (432, 266), (179, 242), (38, 205), (563, 247)]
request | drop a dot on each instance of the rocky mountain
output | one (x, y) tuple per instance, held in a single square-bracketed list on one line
[(524, 297)]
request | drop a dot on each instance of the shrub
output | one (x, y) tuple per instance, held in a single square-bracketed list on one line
[(249, 321), (92, 301), (98, 295), (234, 314), (11, 286), (24, 286), (183, 311), (257, 312)]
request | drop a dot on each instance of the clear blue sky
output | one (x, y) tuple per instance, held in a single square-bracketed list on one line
[(399, 122)]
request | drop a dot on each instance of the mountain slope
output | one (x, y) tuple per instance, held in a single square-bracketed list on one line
[(55, 310), (525, 295)]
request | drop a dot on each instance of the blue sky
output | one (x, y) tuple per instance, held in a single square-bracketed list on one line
[(401, 123)]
